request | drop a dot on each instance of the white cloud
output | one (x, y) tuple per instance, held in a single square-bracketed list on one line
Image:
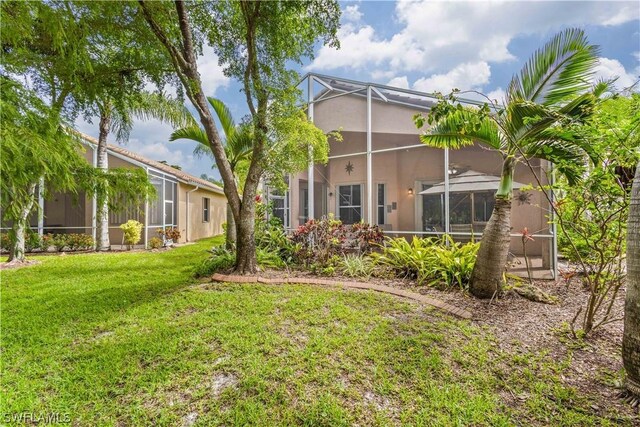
[(496, 95), (210, 72), (609, 69), (467, 76), (401, 82), (439, 35), (626, 14), (352, 13)]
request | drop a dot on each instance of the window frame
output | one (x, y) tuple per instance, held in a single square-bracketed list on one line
[(206, 209)]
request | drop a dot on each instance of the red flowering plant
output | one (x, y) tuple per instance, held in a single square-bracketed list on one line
[(322, 240)]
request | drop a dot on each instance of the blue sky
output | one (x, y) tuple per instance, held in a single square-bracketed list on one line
[(428, 46)]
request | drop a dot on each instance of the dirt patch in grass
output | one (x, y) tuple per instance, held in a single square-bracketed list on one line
[(18, 264)]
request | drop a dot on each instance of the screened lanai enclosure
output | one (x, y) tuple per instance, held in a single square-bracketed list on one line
[(196, 207), (382, 174)]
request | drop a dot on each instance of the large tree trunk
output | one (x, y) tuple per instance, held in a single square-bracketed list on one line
[(246, 260), (488, 272), (16, 253), (102, 203), (631, 337), (230, 239)]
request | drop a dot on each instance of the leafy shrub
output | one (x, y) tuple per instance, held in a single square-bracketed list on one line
[(5, 242), (170, 233), (353, 265), (269, 259), (321, 240), (132, 230), (274, 240), (220, 260), (430, 260), (59, 241), (155, 243), (79, 242), (45, 242), (32, 240), (451, 265)]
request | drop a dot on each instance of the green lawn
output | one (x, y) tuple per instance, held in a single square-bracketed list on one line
[(131, 339)]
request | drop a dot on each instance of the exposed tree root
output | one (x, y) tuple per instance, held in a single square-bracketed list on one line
[(628, 397), (533, 293)]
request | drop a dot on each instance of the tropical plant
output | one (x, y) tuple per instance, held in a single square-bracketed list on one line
[(433, 261), (551, 92), (357, 266), (238, 145), (221, 259)]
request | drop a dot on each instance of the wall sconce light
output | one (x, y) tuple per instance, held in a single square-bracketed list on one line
[(330, 194), (410, 191)]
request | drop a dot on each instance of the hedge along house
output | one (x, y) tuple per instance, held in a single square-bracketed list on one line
[(382, 174), (195, 206)]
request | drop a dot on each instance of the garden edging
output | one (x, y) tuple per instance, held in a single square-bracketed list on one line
[(447, 308)]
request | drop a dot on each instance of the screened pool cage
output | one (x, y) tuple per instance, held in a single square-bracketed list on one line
[(382, 174), (64, 213)]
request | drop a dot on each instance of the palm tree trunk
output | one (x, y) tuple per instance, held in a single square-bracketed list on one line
[(16, 253), (631, 337), (487, 276), (231, 230), (102, 206)]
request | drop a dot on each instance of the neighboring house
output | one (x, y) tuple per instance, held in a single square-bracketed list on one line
[(195, 206), (382, 174)]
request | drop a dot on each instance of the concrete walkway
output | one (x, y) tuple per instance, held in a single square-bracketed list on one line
[(443, 306)]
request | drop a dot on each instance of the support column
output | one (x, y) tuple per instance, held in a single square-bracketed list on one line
[(447, 228), (41, 207), (94, 201), (369, 161), (146, 216), (310, 172)]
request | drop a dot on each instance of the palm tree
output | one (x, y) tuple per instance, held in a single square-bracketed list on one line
[(238, 147), (631, 337), (551, 90), (117, 116)]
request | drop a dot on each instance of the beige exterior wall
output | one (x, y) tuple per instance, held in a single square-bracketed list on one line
[(190, 215), (404, 169)]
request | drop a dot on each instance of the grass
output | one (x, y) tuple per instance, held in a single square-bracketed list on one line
[(127, 339)]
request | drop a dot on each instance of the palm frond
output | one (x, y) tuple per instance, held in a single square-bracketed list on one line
[(203, 151), (194, 133), (156, 106), (239, 147), (557, 72), (461, 128), (224, 115), (565, 150)]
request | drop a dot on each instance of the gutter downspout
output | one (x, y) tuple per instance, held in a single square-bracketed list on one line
[(188, 202)]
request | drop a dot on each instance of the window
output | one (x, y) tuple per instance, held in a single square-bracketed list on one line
[(381, 205), (350, 203), (205, 209)]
